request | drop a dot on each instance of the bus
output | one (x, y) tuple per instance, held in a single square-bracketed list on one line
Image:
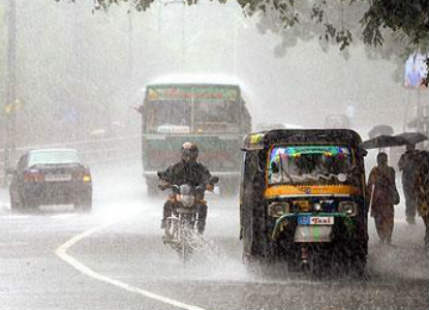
[(213, 116)]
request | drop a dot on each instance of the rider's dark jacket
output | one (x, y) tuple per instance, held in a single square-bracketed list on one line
[(183, 172)]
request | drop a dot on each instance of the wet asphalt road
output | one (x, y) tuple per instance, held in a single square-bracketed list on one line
[(120, 261)]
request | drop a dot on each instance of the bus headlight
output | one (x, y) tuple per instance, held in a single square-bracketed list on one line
[(277, 209), (350, 208)]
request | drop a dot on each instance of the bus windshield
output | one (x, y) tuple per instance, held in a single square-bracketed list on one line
[(216, 111), (216, 116), (168, 114), (309, 165), (193, 109)]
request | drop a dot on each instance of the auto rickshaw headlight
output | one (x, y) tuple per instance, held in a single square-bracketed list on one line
[(303, 205), (317, 206), (350, 208), (277, 209)]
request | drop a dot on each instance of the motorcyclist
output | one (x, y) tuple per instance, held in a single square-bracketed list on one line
[(188, 171)]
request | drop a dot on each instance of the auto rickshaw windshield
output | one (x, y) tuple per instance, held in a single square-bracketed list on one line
[(309, 165)]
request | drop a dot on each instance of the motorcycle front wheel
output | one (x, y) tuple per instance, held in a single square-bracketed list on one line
[(186, 248)]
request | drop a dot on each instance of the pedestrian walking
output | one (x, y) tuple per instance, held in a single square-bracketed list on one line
[(384, 195), (422, 191), (408, 165)]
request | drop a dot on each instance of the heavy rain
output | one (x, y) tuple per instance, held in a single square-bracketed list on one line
[(240, 155)]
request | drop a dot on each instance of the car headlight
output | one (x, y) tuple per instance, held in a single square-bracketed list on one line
[(277, 209), (187, 200), (348, 207)]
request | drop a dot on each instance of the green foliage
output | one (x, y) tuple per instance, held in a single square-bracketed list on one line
[(409, 17), (139, 5), (338, 22)]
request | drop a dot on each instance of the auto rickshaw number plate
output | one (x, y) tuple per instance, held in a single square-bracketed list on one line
[(315, 220)]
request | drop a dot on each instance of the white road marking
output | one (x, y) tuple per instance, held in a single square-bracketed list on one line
[(61, 252)]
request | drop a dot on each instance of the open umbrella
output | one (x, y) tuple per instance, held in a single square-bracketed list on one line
[(384, 141), (412, 137), (379, 130)]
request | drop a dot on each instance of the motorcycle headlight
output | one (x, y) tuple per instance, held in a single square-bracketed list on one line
[(187, 200), (348, 207), (277, 209)]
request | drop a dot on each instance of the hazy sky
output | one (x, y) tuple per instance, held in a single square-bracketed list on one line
[(69, 57)]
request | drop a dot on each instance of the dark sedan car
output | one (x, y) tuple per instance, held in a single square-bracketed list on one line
[(51, 176)]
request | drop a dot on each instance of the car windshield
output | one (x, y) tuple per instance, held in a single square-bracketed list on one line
[(53, 157), (309, 165)]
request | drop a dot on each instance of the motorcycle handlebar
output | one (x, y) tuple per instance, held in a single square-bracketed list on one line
[(164, 184), (174, 187)]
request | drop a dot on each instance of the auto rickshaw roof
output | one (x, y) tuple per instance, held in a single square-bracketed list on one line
[(263, 139)]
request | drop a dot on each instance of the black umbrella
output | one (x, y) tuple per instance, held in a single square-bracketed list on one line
[(379, 130), (413, 137), (384, 141)]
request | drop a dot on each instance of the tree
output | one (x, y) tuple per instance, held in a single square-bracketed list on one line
[(401, 26), (410, 18)]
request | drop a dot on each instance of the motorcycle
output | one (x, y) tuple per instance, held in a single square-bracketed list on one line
[(180, 230)]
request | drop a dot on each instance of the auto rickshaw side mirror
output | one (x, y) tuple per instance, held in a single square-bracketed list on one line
[(274, 167), (363, 152), (214, 180)]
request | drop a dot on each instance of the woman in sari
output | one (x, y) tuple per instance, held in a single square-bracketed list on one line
[(383, 193)]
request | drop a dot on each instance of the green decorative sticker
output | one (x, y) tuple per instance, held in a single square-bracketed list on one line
[(206, 92)]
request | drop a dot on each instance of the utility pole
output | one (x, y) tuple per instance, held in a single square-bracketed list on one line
[(130, 44), (10, 104)]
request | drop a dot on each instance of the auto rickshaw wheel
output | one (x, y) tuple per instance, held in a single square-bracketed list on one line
[(357, 266), (254, 265), (349, 260), (317, 263)]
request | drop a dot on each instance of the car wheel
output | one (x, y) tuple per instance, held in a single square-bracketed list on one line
[(84, 205), (28, 204), (15, 204)]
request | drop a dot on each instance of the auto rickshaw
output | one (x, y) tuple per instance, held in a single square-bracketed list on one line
[(302, 198)]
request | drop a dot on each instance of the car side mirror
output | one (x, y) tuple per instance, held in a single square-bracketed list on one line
[(274, 167)]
